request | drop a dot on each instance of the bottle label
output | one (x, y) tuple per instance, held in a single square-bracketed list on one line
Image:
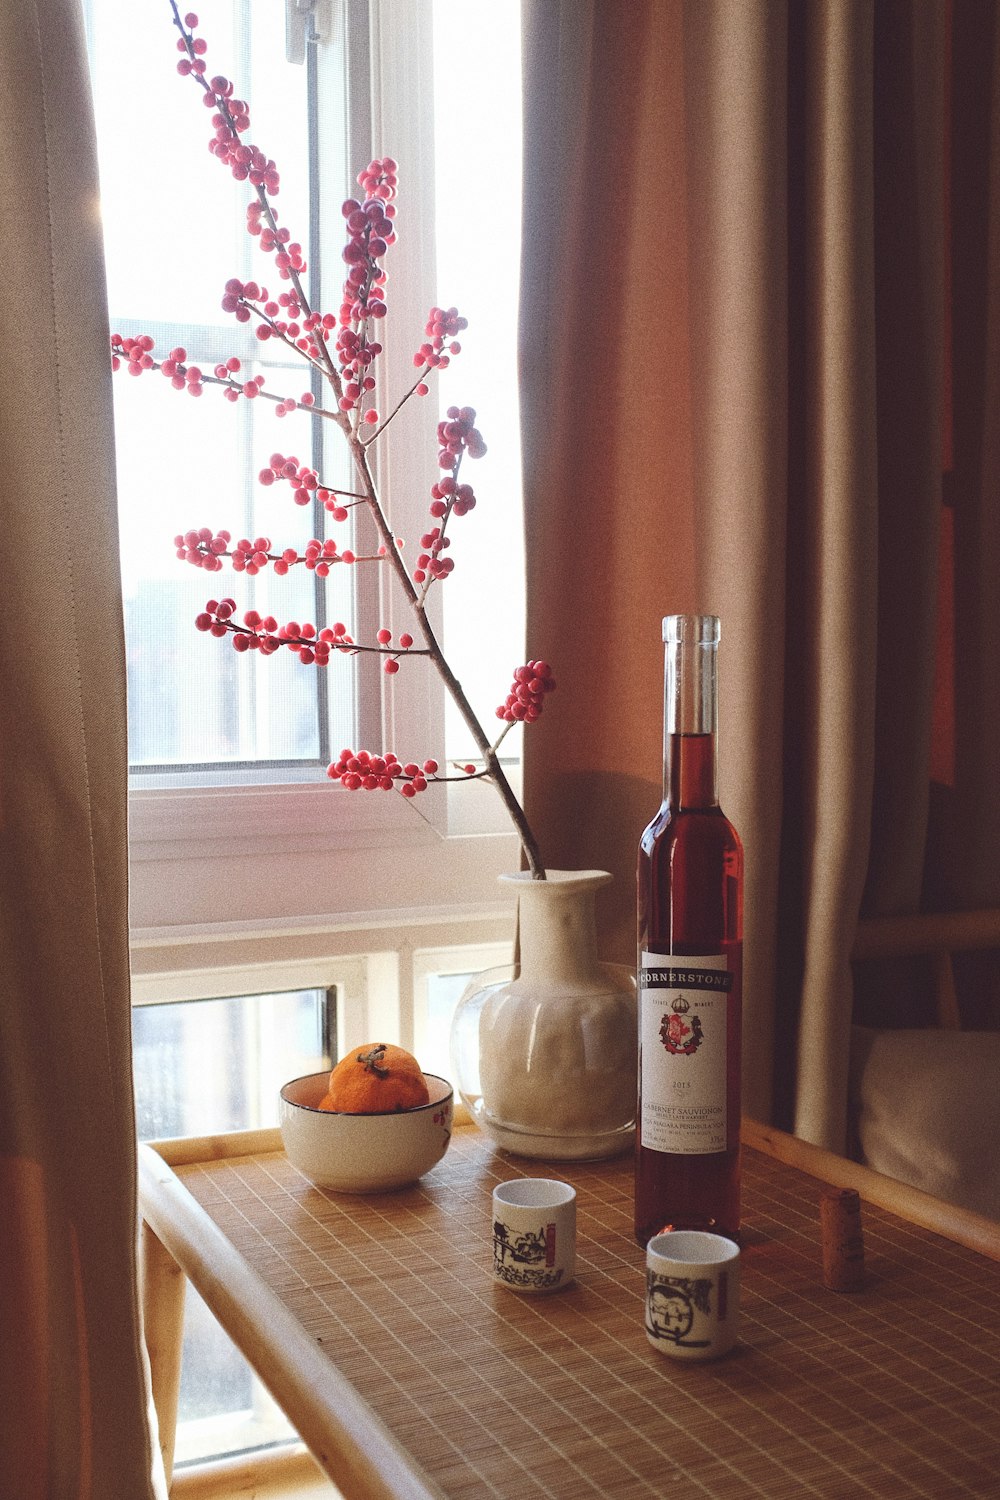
[(684, 1021)]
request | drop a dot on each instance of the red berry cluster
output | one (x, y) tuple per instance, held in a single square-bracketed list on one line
[(319, 557), (384, 638), (370, 232), (217, 617), (526, 698), (380, 178), (458, 435), (204, 548), (194, 49), (430, 563), (219, 92), (274, 240), (361, 771), (226, 372), (448, 496), (442, 325), (355, 353), (253, 556), (278, 319), (231, 118), (138, 355), (238, 296), (181, 375), (304, 481), (263, 633)]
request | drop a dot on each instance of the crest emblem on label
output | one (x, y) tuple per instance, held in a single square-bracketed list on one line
[(681, 1032)]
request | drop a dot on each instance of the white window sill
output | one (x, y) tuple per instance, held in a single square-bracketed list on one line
[(311, 857)]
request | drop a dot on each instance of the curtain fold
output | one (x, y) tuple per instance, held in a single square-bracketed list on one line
[(735, 62), (736, 408), (74, 1394), (833, 600)]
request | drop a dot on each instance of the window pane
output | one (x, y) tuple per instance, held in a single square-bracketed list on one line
[(174, 234), (443, 993), (193, 698), (478, 50), (207, 1066), (222, 1407)]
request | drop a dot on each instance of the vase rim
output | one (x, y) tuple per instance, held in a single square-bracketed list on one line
[(561, 879)]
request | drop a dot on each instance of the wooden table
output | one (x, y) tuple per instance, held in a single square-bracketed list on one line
[(377, 1327)]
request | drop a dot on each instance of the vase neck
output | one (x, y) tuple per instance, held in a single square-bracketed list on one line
[(557, 927)]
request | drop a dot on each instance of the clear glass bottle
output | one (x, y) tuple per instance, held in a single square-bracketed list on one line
[(690, 947)]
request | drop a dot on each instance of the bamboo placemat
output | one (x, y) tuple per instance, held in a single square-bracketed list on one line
[(890, 1392)]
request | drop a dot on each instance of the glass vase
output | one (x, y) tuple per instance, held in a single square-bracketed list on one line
[(544, 1052)]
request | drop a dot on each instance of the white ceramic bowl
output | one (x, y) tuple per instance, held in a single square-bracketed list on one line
[(363, 1153)]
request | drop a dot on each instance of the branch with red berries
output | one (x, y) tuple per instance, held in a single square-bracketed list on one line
[(341, 349)]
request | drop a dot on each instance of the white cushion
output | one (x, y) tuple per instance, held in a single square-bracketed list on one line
[(925, 1109)]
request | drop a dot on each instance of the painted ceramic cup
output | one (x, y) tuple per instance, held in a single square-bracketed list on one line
[(534, 1234), (692, 1294)]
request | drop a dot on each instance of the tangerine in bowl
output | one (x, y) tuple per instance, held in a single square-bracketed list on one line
[(373, 1123)]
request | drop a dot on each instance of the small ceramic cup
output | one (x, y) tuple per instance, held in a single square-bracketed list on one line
[(692, 1294), (534, 1234)]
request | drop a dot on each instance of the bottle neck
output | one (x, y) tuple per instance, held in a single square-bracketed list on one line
[(690, 723)]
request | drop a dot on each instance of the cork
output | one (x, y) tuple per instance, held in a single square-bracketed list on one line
[(843, 1245)]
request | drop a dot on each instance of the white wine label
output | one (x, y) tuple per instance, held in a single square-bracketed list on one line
[(684, 1018)]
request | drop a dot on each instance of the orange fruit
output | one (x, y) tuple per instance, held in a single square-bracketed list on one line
[(376, 1079)]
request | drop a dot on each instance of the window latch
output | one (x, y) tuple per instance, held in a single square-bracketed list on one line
[(298, 15)]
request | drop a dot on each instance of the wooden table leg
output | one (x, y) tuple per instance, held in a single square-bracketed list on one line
[(163, 1284)]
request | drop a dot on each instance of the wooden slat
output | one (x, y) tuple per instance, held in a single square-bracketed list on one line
[(909, 1203)]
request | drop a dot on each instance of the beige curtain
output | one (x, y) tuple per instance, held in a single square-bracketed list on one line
[(732, 352), (72, 1385)]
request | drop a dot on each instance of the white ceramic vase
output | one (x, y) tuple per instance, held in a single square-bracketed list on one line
[(544, 1053)]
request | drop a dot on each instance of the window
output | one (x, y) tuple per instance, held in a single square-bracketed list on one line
[(204, 1066), (229, 752)]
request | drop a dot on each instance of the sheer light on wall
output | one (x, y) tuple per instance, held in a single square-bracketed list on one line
[(477, 48)]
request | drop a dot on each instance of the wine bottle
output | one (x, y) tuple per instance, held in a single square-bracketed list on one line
[(690, 950)]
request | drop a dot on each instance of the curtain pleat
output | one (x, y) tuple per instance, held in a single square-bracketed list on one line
[(735, 61), (832, 569), (769, 450), (74, 1396)]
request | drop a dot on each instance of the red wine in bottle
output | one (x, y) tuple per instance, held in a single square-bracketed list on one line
[(690, 947)]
